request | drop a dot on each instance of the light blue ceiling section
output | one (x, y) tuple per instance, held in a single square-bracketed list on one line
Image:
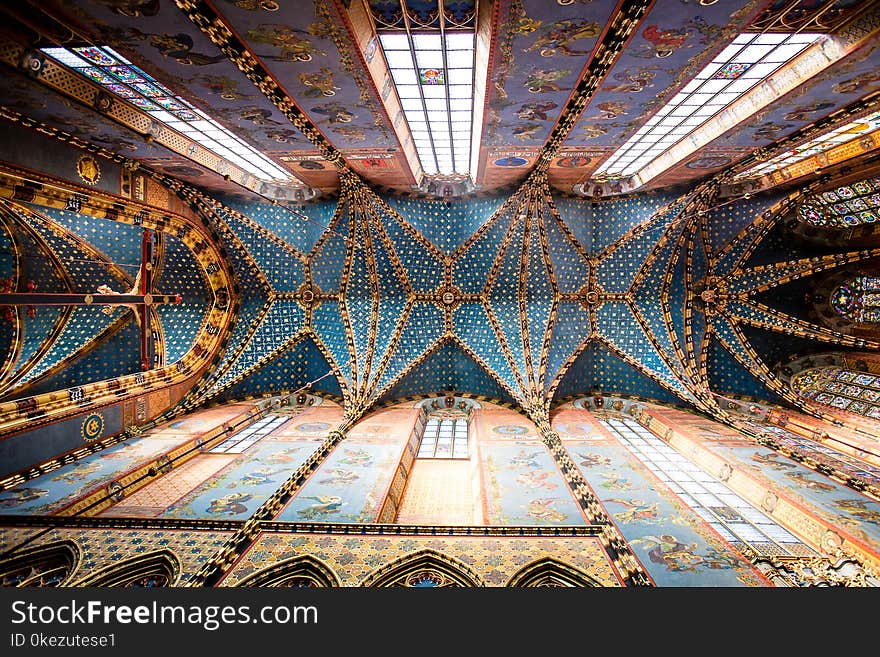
[(181, 323), (85, 272), (425, 325), (611, 219), (328, 325), (423, 270), (578, 216), (447, 224), (120, 242), (448, 368), (570, 269), (619, 326), (328, 263), (291, 370), (470, 270), (472, 326), (570, 330), (504, 297)]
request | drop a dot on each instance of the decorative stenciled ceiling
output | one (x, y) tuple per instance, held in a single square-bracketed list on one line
[(532, 56)]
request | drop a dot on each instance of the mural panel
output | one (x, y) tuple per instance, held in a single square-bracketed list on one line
[(352, 483)]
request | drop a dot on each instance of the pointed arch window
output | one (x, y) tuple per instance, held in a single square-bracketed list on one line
[(446, 430), (858, 300), (843, 389), (843, 207)]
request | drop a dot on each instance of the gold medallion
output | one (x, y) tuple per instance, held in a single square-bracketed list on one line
[(88, 169)]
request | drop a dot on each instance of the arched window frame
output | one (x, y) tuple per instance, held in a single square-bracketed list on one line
[(49, 565)]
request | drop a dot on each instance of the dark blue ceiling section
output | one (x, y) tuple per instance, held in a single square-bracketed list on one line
[(328, 264), (538, 300), (37, 267), (570, 330), (578, 216), (776, 348), (280, 266), (792, 297), (473, 328), (359, 300), (120, 242), (446, 223), (727, 376), (181, 274), (570, 269), (779, 245), (284, 319), (119, 355), (611, 219), (448, 368), (471, 269), (423, 270), (424, 326), (291, 370), (597, 368), (726, 221), (301, 234), (676, 296)]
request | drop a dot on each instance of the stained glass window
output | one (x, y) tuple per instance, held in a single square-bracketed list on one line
[(128, 82), (847, 390), (850, 205), (858, 300)]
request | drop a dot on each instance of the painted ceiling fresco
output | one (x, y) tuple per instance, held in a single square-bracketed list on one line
[(323, 57), (528, 297)]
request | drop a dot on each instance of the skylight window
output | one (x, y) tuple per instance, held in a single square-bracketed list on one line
[(853, 130), (128, 82), (747, 62), (434, 76)]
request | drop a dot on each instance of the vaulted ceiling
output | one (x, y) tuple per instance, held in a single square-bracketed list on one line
[(369, 287)]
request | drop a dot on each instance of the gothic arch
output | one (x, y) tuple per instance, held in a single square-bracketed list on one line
[(550, 572), (425, 568), (302, 571), (51, 564), (153, 570)]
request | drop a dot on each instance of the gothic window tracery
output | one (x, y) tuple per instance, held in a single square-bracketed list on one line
[(843, 207), (46, 565), (858, 300)]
